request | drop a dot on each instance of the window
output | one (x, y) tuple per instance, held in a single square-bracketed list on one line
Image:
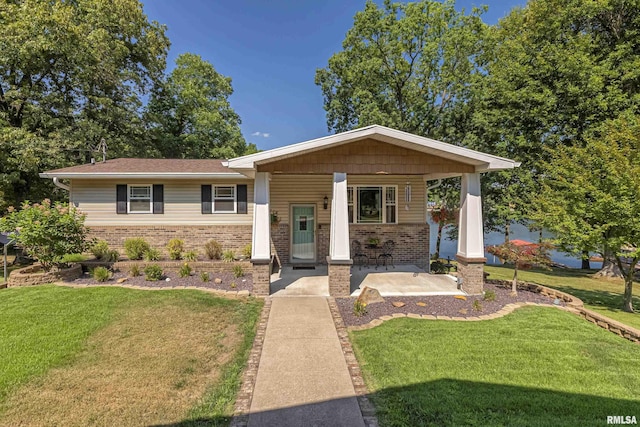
[(372, 205), (224, 199), (140, 199)]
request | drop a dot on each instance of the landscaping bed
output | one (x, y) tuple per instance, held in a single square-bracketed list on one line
[(441, 305)]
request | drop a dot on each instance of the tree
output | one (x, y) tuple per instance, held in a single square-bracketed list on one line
[(591, 196), (71, 73), (522, 256), (408, 66), (190, 116)]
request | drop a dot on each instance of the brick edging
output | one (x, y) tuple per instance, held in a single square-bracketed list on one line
[(245, 394), (366, 407)]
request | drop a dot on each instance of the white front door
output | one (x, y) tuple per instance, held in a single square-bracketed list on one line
[(303, 233)]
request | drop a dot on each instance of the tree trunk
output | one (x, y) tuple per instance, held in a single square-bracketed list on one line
[(609, 269), (439, 239), (507, 232), (585, 261), (514, 284), (627, 304)]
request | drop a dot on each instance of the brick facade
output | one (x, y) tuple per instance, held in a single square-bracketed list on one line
[(471, 272), (262, 279), (339, 280)]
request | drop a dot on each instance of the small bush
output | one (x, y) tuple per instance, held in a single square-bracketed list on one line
[(477, 305), (246, 251), (151, 254), (71, 258), (101, 274), (135, 270), (205, 277), (228, 256), (489, 295), (213, 249), (100, 249), (359, 308), (191, 256), (233, 285), (175, 248), (438, 267), (238, 271), (135, 248), (112, 255), (153, 273), (185, 270)]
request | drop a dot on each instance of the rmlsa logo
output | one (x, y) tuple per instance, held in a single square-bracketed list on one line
[(619, 419)]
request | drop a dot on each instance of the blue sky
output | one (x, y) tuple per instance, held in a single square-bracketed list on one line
[(271, 50)]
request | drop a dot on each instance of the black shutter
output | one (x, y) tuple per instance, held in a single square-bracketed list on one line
[(206, 199), (121, 199), (242, 198), (158, 198)]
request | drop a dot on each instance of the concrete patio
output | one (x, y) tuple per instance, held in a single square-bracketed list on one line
[(404, 280)]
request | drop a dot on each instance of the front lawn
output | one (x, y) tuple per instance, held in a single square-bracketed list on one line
[(114, 356), (535, 367), (601, 295)]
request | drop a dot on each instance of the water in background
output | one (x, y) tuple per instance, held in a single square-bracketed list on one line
[(448, 248)]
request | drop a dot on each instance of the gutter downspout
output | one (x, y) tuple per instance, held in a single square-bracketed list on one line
[(426, 202), (58, 184)]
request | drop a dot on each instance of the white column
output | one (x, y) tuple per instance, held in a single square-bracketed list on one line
[(470, 231), (339, 242), (261, 240)]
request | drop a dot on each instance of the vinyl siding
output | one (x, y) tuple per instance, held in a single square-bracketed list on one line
[(97, 199)]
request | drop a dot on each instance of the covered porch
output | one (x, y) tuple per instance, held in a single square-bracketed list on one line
[(369, 182)]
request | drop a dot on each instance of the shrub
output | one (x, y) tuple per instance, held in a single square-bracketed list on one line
[(228, 256), (233, 285), (112, 255), (175, 248), (47, 231), (438, 267), (185, 270), (71, 258), (489, 295), (100, 249), (191, 256), (135, 248), (151, 254), (153, 272), (101, 274), (359, 308), (246, 251), (213, 249), (135, 270), (477, 305), (238, 271), (205, 277)]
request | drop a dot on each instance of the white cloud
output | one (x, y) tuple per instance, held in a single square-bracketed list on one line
[(261, 134)]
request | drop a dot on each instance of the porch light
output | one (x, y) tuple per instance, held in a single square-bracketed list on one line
[(325, 202)]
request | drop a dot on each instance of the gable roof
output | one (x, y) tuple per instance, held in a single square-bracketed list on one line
[(482, 162), (146, 168)]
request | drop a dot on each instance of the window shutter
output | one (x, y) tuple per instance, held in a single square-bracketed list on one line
[(121, 199), (206, 199), (158, 198), (242, 198)]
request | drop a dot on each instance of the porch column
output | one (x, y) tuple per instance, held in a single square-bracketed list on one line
[(339, 259), (470, 254), (261, 235)]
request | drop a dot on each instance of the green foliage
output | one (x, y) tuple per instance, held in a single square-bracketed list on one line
[(72, 258), (175, 248), (229, 255), (522, 257), (151, 254), (134, 271), (477, 305), (246, 251), (191, 256), (113, 255), (205, 276), (135, 248), (100, 249), (238, 271), (153, 273), (359, 308), (437, 267), (185, 270), (233, 285), (213, 249), (489, 295), (47, 231), (101, 274)]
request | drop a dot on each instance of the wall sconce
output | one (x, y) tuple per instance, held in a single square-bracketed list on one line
[(325, 202)]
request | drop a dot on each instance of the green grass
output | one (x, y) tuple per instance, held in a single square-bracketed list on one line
[(45, 327), (601, 295), (535, 367)]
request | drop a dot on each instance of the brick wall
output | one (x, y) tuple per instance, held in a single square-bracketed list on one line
[(280, 242), (234, 237), (472, 276), (339, 280)]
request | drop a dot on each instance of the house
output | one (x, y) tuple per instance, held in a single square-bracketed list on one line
[(303, 203)]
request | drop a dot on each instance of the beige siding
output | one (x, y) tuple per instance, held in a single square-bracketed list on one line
[(97, 198), (311, 189)]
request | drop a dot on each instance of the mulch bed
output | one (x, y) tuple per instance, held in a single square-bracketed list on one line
[(439, 305), (244, 283)]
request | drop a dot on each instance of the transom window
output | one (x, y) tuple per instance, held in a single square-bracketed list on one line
[(372, 204), (140, 199), (224, 199)]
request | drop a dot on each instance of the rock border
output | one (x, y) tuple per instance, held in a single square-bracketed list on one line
[(366, 407), (27, 277), (218, 292)]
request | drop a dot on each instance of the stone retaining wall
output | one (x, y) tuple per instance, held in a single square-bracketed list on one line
[(33, 275)]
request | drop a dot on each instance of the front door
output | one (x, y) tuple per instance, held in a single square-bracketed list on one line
[(303, 233)]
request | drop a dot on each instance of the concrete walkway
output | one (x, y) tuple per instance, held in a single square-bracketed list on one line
[(303, 378)]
